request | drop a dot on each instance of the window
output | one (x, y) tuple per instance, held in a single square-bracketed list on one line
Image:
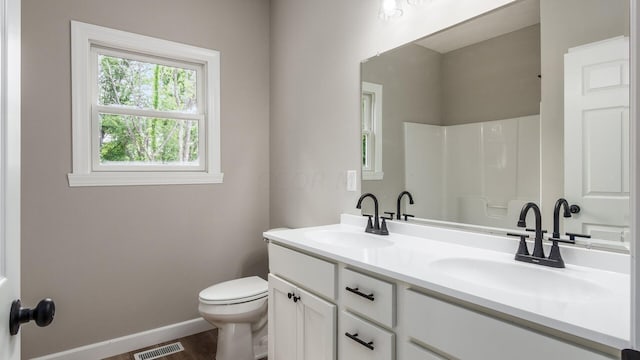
[(145, 110), (371, 131)]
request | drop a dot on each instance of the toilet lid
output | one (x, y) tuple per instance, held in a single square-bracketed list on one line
[(235, 291)]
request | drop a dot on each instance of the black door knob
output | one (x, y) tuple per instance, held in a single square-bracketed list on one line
[(42, 314)]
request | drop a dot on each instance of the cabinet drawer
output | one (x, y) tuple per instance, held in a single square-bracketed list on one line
[(364, 340), (307, 271), (368, 296), (415, 352), (467, 334)]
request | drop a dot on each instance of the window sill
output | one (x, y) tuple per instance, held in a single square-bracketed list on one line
[(143, 178), (372, 175)]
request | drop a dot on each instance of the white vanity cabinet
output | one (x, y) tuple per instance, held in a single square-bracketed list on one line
[(327, 308), (302, 325), (359, 339), (368, 296), (462, 333), (367, 316), (312, 273), (303, 306), (415, 352)]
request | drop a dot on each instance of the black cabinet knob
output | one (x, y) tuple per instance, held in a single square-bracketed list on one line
[(43, 314), (293, 297)]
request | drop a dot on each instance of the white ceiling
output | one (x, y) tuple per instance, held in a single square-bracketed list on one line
[(499, 22)]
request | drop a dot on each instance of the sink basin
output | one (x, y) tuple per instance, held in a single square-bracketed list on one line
[(347, 239), (523, 279)]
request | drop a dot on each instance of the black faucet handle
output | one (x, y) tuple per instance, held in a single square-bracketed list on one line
[(573, 236), (390, 217), (383, 227), (522, 247), (407, 216), (534, 230), (574, 209), (521, 236), (556, 240), (554, 254), (369, 227)]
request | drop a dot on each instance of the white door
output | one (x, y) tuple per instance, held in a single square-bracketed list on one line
[(9, 172), (596, 139), (317, 319), (282, 320), (301, 325)]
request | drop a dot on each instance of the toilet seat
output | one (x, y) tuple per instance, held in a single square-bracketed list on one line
[(235, 291)]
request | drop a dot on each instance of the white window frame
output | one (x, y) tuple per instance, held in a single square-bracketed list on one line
[(87, 41), (375, 91)]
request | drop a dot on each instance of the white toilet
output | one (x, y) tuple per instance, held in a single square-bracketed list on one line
[(238, 308)]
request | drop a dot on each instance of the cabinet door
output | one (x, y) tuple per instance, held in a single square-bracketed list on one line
[(304, 329), (282, 320), (317, 321), (470, 335), (415, 352)]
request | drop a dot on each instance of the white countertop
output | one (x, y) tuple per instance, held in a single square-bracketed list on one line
[(602, 316)]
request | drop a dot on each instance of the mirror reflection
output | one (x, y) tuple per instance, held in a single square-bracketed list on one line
[(529, 103)]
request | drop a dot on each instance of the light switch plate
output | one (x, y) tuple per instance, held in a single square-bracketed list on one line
[(352, 177)]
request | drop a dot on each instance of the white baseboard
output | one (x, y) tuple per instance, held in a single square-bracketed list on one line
[(132, 342)]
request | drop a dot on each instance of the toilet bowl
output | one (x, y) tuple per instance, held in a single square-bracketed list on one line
[(238, 308)]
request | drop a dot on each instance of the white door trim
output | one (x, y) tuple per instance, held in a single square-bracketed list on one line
[(635, 174), (11, 139), (9, 172)]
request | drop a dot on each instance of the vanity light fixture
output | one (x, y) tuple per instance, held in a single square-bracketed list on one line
[(393, 8), (390, 9)]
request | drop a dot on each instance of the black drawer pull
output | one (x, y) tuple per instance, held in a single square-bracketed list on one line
[(354, 337), (358, 292)]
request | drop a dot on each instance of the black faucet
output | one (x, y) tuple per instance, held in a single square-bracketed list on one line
[(537, 247), (556, 216), (554, 259), (374, 228), (568, 210), (398, 215)]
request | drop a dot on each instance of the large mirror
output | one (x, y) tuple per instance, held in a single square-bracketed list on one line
[(529, 102)]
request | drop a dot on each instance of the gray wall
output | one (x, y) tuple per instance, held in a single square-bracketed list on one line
[(411, 80), (119, 260), (566, 24), (493, 79), (316, 50)]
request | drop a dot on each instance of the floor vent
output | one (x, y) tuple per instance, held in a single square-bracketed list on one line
[(159, 352)]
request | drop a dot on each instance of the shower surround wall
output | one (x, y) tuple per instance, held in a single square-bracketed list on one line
[(480, 173)]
